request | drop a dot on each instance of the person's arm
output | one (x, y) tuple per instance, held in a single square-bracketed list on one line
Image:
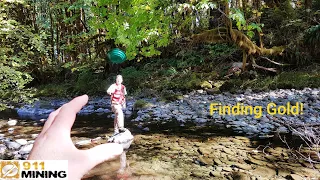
[(125, 91), (111, 89)]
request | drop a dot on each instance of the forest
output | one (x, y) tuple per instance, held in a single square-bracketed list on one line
[(59, 48)]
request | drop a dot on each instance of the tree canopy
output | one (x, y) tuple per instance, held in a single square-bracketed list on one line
[(42, 39)]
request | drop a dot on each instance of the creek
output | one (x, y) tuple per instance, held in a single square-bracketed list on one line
[(186, 146)]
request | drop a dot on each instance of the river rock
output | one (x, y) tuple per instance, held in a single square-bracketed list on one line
[(200, 120), (34, 136), (205, 160), (21, 141), (124, 138), (256, 161), (216, 174), (264, 172), (243, 166), (12, 145), (3, 149), (11, 130), (26, 149), (217, 161), (228, 169), (240, 176), (1, 136), (228, 151), (204, 150), (296, 177), (83, 143), (12, 122), (17, 156), (282, 130)]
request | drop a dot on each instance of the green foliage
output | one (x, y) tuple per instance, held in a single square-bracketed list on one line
[(238, 16), (140, 104), (133, 78), (140, 26), (298, 56), (188, 81), (12, 86), (54, 90), (188, 58), (168, 72), (207, 54), (297, 80), (20, 48), (312, 36), (221, 50), (285, 80), (89, 83), (169, 96), (242, 24), (316, 6)]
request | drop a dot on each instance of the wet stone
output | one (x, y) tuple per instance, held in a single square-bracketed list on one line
[(228, 151), (228, 169), (217, 162), (296, 177), (243, 166), (216, 174), (264, 172)]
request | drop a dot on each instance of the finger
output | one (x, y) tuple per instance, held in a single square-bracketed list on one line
[(103, 152), (67, 114), (50, 120)]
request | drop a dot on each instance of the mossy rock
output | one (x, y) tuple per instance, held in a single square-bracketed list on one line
[(205, 85), (213, 91), (193, 84), (231, 85), (297, 80), (210, 75), (218, 84), (141, 104), (172, 97)]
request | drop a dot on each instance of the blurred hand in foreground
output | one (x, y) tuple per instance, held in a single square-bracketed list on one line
[(54, 142)]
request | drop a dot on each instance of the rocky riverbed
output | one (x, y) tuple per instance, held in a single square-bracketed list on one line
[(196, 107), (181, 140)]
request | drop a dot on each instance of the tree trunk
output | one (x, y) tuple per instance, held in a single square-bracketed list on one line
[(52, 35), (308, 4), (256, 4)]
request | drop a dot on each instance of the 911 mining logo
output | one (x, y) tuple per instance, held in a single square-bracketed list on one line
[(31, 169), (10, 170)]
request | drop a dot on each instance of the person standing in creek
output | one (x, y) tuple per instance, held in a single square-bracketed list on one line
[(117, 91)]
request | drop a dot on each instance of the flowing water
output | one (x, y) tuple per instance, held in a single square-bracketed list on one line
[(171, 151)]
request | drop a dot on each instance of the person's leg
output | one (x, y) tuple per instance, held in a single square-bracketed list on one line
[(123, 162), (120, 118), (115, 122)]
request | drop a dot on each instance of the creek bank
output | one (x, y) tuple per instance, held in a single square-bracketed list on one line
[(195, 107)]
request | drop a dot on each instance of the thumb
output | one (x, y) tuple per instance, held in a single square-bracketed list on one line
[(103, 152)]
